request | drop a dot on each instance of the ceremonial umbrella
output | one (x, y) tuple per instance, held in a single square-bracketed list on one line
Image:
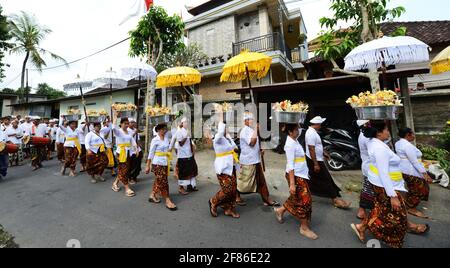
[(246, 65), (179, 76), (110, 78), (441, 63), (79, 83), (386, 51)]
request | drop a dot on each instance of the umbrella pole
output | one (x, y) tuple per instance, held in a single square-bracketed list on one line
[(84, 104), (249, 84), (138, 104)]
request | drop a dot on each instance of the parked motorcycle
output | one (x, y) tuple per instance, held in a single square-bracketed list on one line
[(342, 146)]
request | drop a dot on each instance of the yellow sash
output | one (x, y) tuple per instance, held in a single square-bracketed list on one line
[(110, 157), (101, 147), (77, 143), (418, 159), (233, 153), (395, 176), (169, 159), (299, 159), (123, 152)]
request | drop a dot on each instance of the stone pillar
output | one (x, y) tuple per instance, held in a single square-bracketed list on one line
[(406, 103), (264, 23)]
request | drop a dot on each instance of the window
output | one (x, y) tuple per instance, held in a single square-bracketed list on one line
[(91, 104)]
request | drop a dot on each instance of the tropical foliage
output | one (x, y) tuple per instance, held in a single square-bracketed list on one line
[(189, 56), (51, 93), (4, 37), (365, 16), (27, 35)]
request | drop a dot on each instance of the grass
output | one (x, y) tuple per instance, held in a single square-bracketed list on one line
[(6, 240)]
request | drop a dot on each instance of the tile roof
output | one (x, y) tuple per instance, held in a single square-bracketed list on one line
[(430, 32)]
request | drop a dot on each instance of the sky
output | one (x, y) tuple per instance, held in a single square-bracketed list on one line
[(82, 27)]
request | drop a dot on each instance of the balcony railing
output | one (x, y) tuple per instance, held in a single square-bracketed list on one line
[(269, 42)]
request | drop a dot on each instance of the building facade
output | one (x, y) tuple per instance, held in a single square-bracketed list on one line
[(223, 28)]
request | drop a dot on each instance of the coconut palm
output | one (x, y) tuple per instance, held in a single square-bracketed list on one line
[(27, 34)]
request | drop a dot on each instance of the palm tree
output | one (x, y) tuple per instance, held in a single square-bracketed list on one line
[(27, 34)]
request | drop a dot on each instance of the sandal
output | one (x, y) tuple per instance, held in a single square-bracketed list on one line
[(130, 193), (154, 200), (182, 191), (273, 204), (342, 205), (417, 231), (418, 214), (115, 188), (213, 213), (280, 219), (172, 209), (357, 232)]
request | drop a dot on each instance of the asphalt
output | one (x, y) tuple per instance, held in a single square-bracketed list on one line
[(44, 209)]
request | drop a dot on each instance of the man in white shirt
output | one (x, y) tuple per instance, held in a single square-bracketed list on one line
[(186, 167), (51, 129), (38, 152), (321, 182), (251, 178), (26, 126), (60, 139), (14, 134)]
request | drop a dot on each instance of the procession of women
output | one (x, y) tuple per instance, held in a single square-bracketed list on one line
[(393, 177)]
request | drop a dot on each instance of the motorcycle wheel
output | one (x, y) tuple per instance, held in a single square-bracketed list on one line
[(333, 163)]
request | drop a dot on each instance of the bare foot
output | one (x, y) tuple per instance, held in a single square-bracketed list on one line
[(232, 214), (308, 233), (182, 191), (341, 203), (72, 173), (361, 213), (278, 215), (358, 231), (417, 213)]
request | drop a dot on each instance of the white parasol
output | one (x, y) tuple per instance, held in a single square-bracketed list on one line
[(387, 50), (142, 71)]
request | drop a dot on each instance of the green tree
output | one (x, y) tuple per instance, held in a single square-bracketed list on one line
[(189, 55), (156, 33), (27, 35), (4, 37), (51, 93), (8, 90), (366, 16)]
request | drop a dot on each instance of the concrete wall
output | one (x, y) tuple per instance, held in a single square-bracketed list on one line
[(5, 109), (99, 102), (212, 90), (248, 25), (431, 110), (216, 38)]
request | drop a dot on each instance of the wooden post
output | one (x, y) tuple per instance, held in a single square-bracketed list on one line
[(409, 120)]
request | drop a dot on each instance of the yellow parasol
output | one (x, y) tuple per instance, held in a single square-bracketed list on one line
[(178, 76), (246, 65), (441, 63)]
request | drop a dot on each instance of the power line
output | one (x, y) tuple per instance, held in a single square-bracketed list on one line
[(85, 57), (12, 80)]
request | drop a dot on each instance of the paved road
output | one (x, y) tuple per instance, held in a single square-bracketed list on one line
[(43, 209)]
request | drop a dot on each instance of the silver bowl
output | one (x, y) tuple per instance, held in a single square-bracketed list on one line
[(72, 117), (386, 112), (128, 114), (290, 117), (96, 119), (161, 119)]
